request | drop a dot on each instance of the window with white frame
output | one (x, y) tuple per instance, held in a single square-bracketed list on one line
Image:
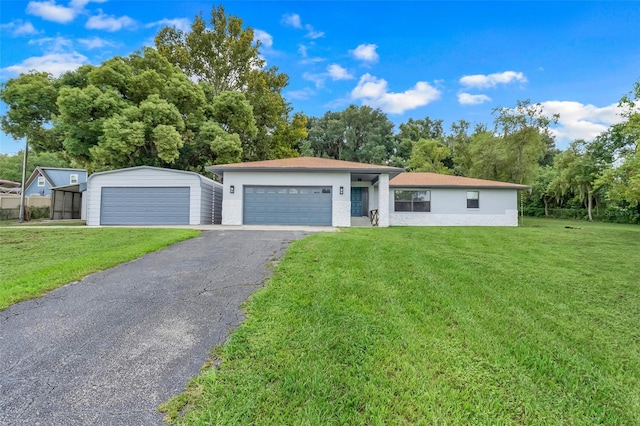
[(41, 180), (73, 179), (473, 199), (411, 201)]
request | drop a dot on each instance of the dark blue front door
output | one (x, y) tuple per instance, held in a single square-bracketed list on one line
[(356, 202)]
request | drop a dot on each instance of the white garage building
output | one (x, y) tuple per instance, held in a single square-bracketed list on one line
[(151, 196)]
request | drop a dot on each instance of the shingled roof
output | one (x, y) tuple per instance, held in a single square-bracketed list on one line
[(435, 180), (304, 164)]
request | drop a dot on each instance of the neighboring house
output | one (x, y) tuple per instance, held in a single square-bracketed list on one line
[(151, 196), (431, 199), (318, 191), (44, 178)]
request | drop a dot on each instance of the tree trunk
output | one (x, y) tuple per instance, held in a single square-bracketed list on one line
[(589, 205), (546, 206)]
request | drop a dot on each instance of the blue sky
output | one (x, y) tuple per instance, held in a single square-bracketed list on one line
[(446, 60)]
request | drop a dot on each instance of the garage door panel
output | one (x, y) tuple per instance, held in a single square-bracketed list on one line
[(287, 205), (145, 206)]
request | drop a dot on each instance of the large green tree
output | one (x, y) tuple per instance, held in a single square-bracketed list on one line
[(358, 133), (31, 102), (368, 135), (541, 187), (223, 54), (411, 132), (487, 152), (577, 170), (326, 136), (141, 110), (525, 134), (429, 155), (622, 178)]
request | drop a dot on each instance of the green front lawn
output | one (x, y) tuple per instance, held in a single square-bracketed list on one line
[(34, 261), (531, 325)]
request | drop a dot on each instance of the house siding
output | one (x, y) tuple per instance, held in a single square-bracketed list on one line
[(216, 212), (498, 207), (232, 204), (206, 202), (34, 189), (146, 177)]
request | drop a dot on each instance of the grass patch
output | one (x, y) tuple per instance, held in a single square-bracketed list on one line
[(42, 222), (34, 261), (529, 325)]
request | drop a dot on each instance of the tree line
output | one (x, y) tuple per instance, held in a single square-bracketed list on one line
[(205, 96)]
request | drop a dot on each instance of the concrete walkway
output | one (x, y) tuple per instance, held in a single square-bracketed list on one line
[(111, 348), (309, 229)]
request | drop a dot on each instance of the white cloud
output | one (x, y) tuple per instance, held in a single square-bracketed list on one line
[(482, 81), (19, 28), (313, 34), (317, 79), (95, 43), (313, 60), (53, 44), (109, 22), (336, 72), (374, 92), (366, 53), (302, 94), (580, 121), (80, 4), (182, 24), (50, 11), (265, 38), (302, 50), (54, 63), (469, 99), (292, 20)]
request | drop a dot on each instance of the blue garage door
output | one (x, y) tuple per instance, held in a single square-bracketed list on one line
[(145, 206), (287, 205)]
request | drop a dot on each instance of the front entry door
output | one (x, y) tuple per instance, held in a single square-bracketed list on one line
[(356, 202)]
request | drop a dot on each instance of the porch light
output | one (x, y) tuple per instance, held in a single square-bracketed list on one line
[(232, 189), (341, 190)]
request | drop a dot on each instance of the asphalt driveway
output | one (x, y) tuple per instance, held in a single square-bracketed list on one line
[(111, 348)]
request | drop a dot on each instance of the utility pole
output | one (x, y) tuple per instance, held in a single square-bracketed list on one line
[(24, 177)]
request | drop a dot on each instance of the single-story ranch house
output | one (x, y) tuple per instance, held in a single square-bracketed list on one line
[(297, 191), (318, 191)]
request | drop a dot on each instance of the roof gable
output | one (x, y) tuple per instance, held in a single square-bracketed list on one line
[(433, 180), (52, 175)]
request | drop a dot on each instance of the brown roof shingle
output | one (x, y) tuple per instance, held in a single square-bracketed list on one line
[(444, 181), (303, 164)]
